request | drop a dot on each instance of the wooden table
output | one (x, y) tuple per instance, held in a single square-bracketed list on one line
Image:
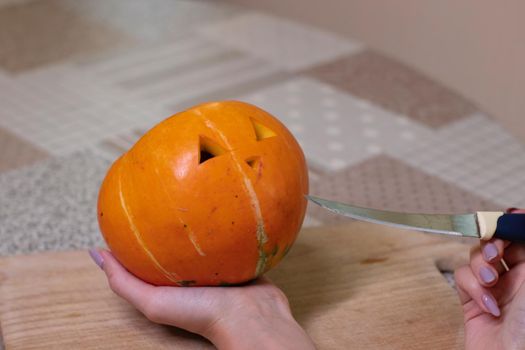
[(357, 286)]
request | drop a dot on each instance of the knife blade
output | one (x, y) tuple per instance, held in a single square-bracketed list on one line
[(481, 224)]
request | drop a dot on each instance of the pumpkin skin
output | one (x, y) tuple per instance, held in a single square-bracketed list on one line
[(214, 195)]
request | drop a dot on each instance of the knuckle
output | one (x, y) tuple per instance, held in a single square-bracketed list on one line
[(153, 310), (277, 296), (461, 273), (460, 270), (115, 282), (151, 314), (475, 251)]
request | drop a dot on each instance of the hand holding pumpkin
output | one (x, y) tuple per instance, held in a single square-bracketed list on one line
[(212, 196), (253, 316)]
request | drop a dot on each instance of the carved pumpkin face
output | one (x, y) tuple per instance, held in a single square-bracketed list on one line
[(210, 196)]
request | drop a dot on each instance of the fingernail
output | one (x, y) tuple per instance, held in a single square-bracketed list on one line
[(97, 258), (490, 251), (486, 274), (491, 305)]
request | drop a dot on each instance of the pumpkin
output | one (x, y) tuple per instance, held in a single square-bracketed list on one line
[(214, 195)]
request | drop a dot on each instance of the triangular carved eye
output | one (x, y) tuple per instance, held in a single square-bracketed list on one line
[(262, 132), (209, 149)]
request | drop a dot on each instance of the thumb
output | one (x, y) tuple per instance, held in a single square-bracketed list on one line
[(190, 308), (123, 283)]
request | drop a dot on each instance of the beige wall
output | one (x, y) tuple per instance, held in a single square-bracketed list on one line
[(476, 47)]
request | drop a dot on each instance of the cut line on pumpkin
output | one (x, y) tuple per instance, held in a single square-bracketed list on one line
[(261, 132), (191, 234), (193, 238), (261, 235), (173, 277)]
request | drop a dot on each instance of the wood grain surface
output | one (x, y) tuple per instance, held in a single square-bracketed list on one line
[(357, 286)]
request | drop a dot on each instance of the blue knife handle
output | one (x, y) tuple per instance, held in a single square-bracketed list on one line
[(511, 227)]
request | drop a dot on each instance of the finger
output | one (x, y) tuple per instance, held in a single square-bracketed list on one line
[(495, 250), (486, 273), (459, 277), (514, 254), (492, 250), (124, 284), (469, 289), (509, 284), (263, 280)]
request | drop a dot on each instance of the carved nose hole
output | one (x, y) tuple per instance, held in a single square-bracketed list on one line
[(262, 132), (254, 162), (209, 149)]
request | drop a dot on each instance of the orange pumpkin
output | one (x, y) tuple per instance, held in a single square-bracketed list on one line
[(214, 195)]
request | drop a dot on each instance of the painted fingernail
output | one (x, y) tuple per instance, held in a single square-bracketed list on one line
[(490, 251), (486, 274), (97, 258), (491, 305)]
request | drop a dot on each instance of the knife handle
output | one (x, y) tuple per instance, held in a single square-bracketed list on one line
[(510, 227)]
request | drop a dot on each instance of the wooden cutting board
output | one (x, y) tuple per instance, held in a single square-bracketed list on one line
[(355, 286)]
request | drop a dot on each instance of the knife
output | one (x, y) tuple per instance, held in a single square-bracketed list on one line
[(482, 224)]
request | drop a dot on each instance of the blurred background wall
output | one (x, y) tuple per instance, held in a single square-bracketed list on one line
[(476, 47)]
